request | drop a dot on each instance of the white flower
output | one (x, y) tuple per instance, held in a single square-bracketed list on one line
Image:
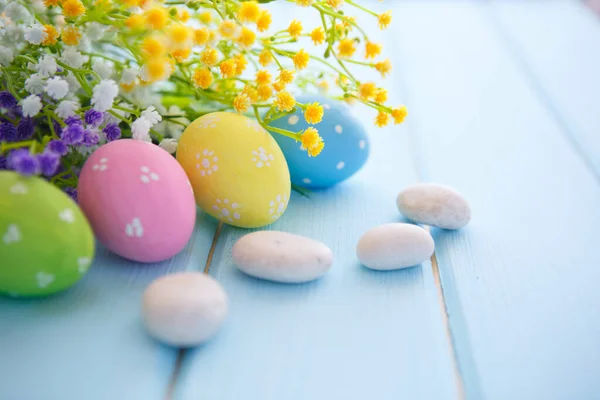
[(102, 68), (38, 6), (6, 56), (31, 106), (151, 115), (129, 75), (57, 88), (35, 34), (74, 84), (140, 129), (169, 145), (35, 84), (17, 13), (173, 127), (95, 31), (13, 33), (67, 108), (72, 58), (104, 94), (47, 66)]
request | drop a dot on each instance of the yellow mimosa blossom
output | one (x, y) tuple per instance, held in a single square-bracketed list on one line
[(285, 101), (209, 57), (201, 36), (180, 55), (301, 59), (73, 8), (227, 28), (131, 3), (71, 35), (286, 76), (246, 37), (278, 86), (240, 63), (382, 119), (367, 91), (323, 85), (295, 29), (346, 48), (335, 3), (205, 17), (203, 78), (157, 17), (304, 3), (156, 69), (179, 35), (241, 103), (317, 35), (384, 67), (312, 142), (153, 47), (313, 113), (251, 93), (399, 114), (381, 96), (264, 21), (263, 76), (264, 92), (227, 68), (135, 22), (183, 15), (248, 11), (372, 50), (384, 19), (265, 58), (51, 35)]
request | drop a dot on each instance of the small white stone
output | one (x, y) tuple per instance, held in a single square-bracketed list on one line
[(282, 257), (184, 309), (435, 205), (394, 246)]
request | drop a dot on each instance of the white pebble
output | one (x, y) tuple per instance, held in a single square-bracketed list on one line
[(184, 309), (435, 205), (394, 246), (281, 257)]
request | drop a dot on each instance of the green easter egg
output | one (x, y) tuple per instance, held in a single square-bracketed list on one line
[(46, 242)]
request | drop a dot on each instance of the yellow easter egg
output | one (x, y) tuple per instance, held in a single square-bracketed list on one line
[(236, 168)]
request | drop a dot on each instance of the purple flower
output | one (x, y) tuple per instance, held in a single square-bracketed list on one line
[(73, 120), (25, 128), (72, 134), (49, 162), (58, 147), (112, 132), (8, 132), (7, 100), (23, 162), (2, 163), (90, 138), (93, 117), (72, 192)]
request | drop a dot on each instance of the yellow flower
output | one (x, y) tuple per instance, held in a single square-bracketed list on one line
[(286, 76), (264, 92), (241, 102), (180, 55), (49, 3), (247, 37), (51, 35), (131, 3), (153, 47), (156, 69), (346, 48), (381, 96), (265, 58), (72, 8), (203, 78), (71, 35), (382, 119), (317, 35), (227, 28), (295, 29), (384, 19), (285, 101), (313, 113), (367, 91), (278, 86), (248, 11), (399, 114), (209, 57), (179, 35), (227, 68), (264, 21), (372, 50), (301, 59), (335, 3), (384, 67), (205, 17), (240, 63), (304, 3), (157, 17), (323, 85), (312, 142), (135, 22), (183, 15), (263, 77), (250, 92), (201, 36)]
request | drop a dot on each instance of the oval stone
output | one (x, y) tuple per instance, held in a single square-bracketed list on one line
[(282, 257), (434, 204), (184, 309), (394, 246)]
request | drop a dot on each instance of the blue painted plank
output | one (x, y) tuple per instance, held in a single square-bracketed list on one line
[(521, 280), (558, 45), (89, 342)]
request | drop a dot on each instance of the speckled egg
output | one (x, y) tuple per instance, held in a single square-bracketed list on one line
[(46, 242), (237, 170), (138, 200), (346, 145)]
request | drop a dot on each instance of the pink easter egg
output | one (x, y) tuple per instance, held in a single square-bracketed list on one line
[(138, 200)]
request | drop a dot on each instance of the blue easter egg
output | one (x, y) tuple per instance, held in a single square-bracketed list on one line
[(346, 145)]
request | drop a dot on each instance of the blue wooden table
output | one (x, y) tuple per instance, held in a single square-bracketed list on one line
[(504, 101)]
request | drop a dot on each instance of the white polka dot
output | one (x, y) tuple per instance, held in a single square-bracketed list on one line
[(362, 144), (293, 119), (339, 129), (306, 180), (340, 165)]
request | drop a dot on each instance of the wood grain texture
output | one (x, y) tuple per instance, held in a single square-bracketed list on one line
[(521, 280), (89, 342)]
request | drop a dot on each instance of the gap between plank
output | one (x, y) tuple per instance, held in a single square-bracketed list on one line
[(181, 352)]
